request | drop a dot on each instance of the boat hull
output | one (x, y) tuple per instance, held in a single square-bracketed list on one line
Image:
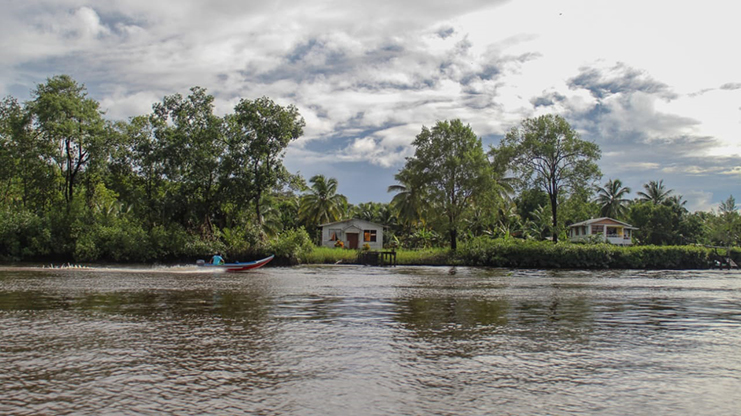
[(237, 267)]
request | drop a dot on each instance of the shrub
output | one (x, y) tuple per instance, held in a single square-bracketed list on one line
[(483, 251), (23, 235), (291, 245)]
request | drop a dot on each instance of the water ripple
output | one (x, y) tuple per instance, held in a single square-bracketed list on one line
[(356, 340)]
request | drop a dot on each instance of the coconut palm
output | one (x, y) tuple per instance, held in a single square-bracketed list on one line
[(368, 211), (407, 203), (611, 199), (655, 192), (322, 204)]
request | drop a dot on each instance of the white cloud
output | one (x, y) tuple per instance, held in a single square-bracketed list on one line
[(370, 75), (699, 201)]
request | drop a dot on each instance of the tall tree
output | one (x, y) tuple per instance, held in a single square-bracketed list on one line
[(726, 227), (548, 153), (25, 172), (611, 199), (66, 117), (655, 192), (451, 168), (322, 203), (190, 138), (259, 132), (139, 167)]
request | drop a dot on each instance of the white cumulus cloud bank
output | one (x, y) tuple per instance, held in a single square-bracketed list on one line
[(655, 84)]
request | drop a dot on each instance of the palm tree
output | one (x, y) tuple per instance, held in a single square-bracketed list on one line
[(322, 204), (368, 211), (611, 199), (407, 203), (655, 192)]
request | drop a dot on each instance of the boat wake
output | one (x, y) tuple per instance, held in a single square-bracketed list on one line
[(177, 269)]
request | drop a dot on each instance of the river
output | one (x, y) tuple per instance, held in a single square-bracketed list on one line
[(352, 340)]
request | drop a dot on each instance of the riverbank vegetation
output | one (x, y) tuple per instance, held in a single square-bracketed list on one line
[(180, 183), (530, 254)]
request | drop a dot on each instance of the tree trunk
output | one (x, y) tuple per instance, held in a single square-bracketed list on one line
[(554, 216), (258, 212), (453, 239)]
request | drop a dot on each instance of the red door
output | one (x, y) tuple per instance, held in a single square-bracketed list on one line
[(352, 240)]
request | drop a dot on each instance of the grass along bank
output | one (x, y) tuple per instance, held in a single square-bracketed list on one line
[(325, 255), (513, 253)]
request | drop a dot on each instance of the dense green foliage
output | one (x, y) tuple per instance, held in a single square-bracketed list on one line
[(180, 183), (547, 153), (533, 254), (518, 253), (450, 170)]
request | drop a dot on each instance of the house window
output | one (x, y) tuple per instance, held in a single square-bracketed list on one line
[(598, 229), (334, 235), (369, 236)]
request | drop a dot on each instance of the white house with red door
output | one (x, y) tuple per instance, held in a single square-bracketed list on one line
[(602, 229), (353, 233)]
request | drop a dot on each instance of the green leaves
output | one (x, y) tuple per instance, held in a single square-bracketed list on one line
[(258, 133), (322, 204), (611, 199), (71, 123), (448, 170), (547, 153)]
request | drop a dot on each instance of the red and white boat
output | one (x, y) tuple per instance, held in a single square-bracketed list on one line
[(236, 267)]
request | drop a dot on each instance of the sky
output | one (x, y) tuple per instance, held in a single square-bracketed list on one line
[(656, 84)]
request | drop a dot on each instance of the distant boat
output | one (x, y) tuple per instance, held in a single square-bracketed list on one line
[(236, 267)]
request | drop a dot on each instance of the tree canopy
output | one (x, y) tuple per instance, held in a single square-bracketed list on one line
[(611, 199), (546, 152), (322, 204), (181, 181), (71, 123), (259, 132), (450, 168)]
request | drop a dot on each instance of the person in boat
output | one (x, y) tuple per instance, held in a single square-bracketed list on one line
[(217, 259)]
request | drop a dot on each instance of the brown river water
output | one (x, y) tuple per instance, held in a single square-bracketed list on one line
[(353, 340)]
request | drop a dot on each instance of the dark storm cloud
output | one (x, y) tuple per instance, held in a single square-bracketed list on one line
[(547, 100), (322, 58), (618, 79)]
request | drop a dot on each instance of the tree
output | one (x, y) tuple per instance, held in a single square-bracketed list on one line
[(25, 172), (65, 117), (546, 152), (611, 199), (259, 132), (189, 141), (655, 192), (322, 203), (726, 227), (407, 203), (657, 223), (450, 167)]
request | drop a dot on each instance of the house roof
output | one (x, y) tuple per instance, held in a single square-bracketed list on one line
[(603, 220), (353, 220)]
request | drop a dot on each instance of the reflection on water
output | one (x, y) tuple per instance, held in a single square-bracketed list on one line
[(357, 340)]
